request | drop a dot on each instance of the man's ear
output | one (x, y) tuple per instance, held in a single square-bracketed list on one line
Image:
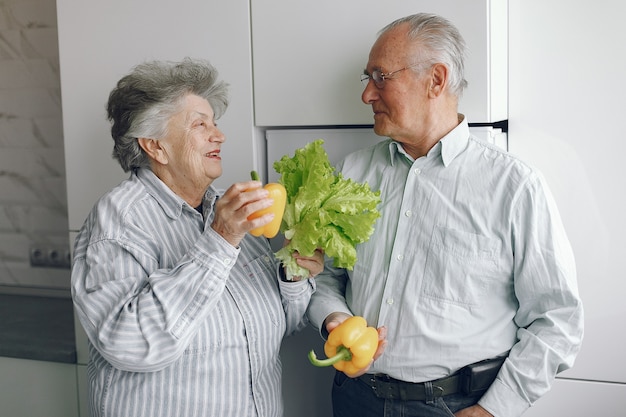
[(154, 150), (438, 80)]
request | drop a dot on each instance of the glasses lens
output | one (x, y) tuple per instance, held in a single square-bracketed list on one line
[(376, 75), (378, 78)]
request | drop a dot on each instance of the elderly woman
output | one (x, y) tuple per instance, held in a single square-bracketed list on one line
[(185, 311)]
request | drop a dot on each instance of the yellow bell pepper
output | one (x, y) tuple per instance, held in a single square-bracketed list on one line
[(350, 347), (279, 195)]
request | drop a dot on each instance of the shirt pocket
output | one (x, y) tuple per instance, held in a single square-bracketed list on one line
[(264, 296), (461, 267)]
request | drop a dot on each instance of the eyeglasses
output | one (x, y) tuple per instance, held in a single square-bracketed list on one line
[(380, 77)]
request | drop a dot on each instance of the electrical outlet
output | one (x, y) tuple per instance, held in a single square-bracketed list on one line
[(50, 256), (37, 256)]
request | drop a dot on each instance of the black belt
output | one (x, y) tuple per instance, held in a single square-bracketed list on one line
[(392, 389), (473, 378)]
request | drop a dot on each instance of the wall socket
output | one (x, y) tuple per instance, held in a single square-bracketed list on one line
[(50, 256)]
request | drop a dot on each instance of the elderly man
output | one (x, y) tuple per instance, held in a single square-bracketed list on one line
[(469, 272)]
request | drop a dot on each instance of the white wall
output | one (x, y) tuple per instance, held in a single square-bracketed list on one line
[(33, 203)]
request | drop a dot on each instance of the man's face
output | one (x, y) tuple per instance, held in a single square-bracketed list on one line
[(400, 106)]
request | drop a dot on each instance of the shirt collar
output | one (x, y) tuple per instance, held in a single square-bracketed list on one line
[(449, 147), (169, 201), (452, 144), (396, 150)]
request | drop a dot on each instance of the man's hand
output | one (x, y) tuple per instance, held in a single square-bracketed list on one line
[(335, 319), (473, 411), (315, 263)]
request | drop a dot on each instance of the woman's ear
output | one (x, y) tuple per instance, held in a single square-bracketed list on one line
[(438, 80), (154, 150)]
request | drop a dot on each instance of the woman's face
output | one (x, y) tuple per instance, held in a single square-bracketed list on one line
[(191, 149)]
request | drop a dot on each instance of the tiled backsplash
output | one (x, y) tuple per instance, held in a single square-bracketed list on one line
[(33, 202)]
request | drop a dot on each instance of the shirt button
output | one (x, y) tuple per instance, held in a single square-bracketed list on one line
[(417, 171), (400, 257), (390, 301), (227, 261), (408, 213)]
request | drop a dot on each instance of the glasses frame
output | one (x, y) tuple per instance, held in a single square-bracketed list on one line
[(382, 76)]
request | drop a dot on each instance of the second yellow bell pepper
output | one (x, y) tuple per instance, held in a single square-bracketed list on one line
[(279, 195), (350, 347)]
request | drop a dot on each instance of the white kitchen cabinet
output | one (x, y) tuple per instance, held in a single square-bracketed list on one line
[(31, 388), (83, 395), (99, 42), (308, 57), (558, 123)]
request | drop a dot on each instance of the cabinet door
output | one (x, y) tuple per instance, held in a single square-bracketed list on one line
[(37, 388), (100, 42), (308, 57), (580, 156), (577, 398)]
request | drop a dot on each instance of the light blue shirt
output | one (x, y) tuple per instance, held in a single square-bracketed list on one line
[(468, 261), (180, 322)]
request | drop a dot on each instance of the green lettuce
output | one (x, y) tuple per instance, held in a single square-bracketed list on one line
[(324, 210)]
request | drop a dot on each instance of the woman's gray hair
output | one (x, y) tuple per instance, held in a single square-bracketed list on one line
[(143, 102), (437, 41)]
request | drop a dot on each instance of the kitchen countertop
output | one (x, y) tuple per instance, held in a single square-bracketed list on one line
[(39, 328)]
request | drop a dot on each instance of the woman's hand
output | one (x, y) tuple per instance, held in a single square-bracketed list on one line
[(234, 207)]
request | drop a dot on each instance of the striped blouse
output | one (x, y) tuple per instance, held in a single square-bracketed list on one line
[(180, 323)]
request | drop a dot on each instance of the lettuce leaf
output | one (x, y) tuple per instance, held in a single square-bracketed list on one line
[(324, 210)]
